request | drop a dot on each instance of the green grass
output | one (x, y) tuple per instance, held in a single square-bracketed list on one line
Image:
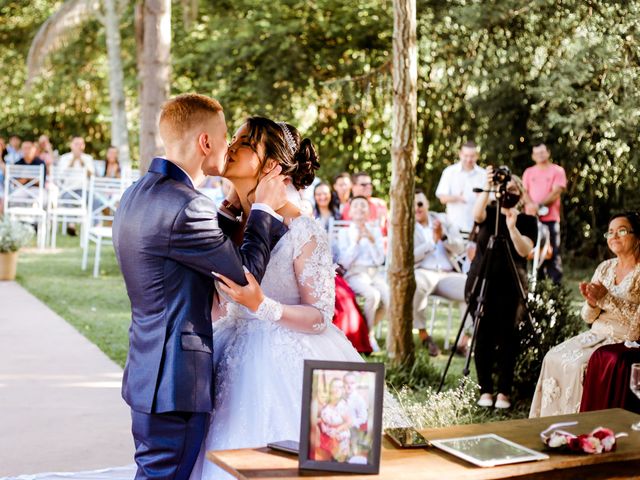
[(97, 307)]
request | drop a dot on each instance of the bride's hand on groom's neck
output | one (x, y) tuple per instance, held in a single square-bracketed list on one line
[(271, 189)]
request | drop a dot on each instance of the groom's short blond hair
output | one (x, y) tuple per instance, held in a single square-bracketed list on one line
[(181, 114)]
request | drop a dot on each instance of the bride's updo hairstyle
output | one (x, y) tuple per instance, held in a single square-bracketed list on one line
[(282, 142)]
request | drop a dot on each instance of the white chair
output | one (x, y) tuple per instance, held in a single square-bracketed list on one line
[(437, 301), (104, 196), (67, 198), (24, 197), (542, 250), (99, 167), (334, 232), (129, 176)]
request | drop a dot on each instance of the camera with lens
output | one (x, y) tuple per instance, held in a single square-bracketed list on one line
[(501, 176)]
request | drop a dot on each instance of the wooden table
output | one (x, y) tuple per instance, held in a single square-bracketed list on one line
[(398, 464)]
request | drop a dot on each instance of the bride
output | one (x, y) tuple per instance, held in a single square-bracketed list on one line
[(258, 357)]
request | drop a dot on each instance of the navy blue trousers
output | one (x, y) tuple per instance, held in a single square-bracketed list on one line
[(552, 268), (167, 444)]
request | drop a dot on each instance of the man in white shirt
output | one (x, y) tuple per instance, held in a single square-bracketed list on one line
[(457, 182), (76, 158), (435, 244)]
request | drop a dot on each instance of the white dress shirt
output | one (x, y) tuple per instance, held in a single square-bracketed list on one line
[(457, 181), (432, 255), (354, 253), (85, 161)]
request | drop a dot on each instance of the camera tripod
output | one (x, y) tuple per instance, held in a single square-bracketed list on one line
[(480, 288)]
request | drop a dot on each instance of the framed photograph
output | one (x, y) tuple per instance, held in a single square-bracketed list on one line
[(341, 424)]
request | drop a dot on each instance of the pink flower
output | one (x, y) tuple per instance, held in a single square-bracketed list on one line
[(606, 437), (574, 443), (589, 444)]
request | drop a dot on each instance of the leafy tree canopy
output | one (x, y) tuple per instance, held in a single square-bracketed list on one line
[(505, 73)]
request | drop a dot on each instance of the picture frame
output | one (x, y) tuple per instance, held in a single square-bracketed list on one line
[(341, 420)]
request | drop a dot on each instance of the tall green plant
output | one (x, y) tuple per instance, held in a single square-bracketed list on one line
[(555, 319)]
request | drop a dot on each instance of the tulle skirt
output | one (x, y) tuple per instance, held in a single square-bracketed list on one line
[(258, 368)]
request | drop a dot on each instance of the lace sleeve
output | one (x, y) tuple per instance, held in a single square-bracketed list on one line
[(315, 272), (626, 309)]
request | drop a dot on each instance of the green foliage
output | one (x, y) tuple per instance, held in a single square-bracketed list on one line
[(555, 319), (421, 374), (504, 73), (14, 235)]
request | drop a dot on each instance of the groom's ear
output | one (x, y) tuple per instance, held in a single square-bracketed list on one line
[(204, 142)]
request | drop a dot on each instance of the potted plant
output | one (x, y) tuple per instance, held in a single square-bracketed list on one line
[(13, 236)]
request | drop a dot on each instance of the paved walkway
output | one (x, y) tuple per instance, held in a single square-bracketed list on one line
[(60, 404)]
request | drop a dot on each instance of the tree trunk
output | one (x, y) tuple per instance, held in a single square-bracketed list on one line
[(119, 130), (153, 32), (403, 156)]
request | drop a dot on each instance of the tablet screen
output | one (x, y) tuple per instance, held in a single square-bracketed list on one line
[(488, 450)]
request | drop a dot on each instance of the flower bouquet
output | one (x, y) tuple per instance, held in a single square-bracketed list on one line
[(600, 440)]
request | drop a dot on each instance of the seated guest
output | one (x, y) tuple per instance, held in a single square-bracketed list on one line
[(29, 157), (363, 187), (13, 152), (435, 242), (112, 165), (45, 151), (325, 209), (76, 158), (342, 189), (362, 256), (612, 307)]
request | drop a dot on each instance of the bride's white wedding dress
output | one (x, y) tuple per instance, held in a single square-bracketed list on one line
[(258, 364)]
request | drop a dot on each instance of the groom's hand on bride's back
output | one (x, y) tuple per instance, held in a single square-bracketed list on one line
[(271, 189)]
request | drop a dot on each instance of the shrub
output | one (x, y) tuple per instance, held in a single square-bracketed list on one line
[(14, 235), (554, 320)]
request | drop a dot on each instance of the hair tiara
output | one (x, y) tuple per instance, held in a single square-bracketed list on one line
[(291, 142)]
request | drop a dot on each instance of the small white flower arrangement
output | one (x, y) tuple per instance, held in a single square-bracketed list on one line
[(14, 235)]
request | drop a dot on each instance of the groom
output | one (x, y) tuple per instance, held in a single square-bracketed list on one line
[(169, 245)]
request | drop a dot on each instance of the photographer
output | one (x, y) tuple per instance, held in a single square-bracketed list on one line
[(496, 340)]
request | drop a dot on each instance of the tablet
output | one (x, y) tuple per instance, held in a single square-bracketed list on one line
[(488, 450)]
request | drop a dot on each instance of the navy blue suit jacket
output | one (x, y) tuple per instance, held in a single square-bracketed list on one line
[(168, 241)]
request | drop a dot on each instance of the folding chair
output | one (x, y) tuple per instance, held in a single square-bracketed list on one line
[(26, 201), (436, 301), (99, 167), (104, 196), (334, 232), (541, 252), (67, 198), (129, 176)]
